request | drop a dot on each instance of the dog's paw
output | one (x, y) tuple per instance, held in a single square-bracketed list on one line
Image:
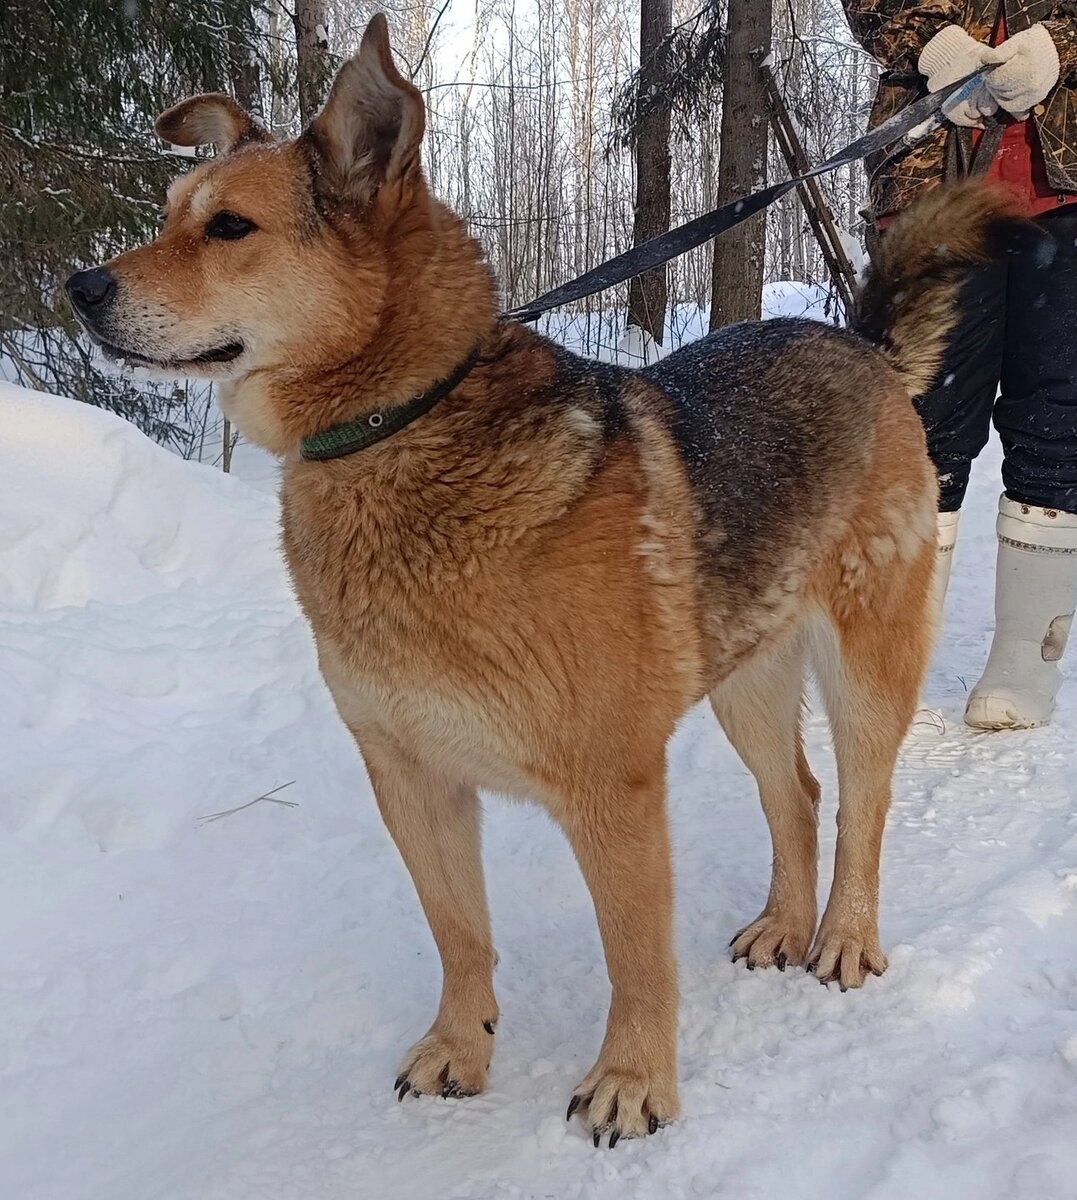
[(438, 1065), (623, 1103), (846, 954), (772, 940)]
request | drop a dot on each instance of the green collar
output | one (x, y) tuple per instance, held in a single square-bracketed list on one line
[(367, 430)]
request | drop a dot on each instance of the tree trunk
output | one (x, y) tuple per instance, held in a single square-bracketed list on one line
[(246, 70), (278, 123), (648, 293), (312, 54), (737, 278)]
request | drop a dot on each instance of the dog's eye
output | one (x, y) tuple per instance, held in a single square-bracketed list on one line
[(229, 226)]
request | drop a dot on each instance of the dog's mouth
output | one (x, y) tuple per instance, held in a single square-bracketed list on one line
[(224, 353)]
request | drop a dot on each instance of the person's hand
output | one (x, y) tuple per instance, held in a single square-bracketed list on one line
[(952, 54), (1028, 69), (973, 110)]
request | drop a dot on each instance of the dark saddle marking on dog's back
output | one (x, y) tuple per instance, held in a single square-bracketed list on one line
[(760, 432)]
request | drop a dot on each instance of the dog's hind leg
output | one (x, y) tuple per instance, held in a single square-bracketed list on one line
[(759, 707), (436, 828), (870, 662), (621, 842)]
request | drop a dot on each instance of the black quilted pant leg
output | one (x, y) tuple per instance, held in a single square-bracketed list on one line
[(957, 411), (1017, 330), (1036, 414)]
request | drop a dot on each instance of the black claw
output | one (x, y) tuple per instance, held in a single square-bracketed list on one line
[(842, 986), (652, 1124), (738, 957), (733, 938), (399, 1080), (877, 974), (615, 1137), (597, 1138), (488, 1026), (404, 1089), (750, 966), (810, 968), (782, 960), (573, 1104)]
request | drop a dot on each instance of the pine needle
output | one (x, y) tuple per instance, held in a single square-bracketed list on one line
[(929, 719), (269, 797)]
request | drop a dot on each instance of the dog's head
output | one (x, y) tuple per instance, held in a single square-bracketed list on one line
[(272, 253)]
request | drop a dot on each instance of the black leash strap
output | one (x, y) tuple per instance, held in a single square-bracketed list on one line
[(963, 160), (914, 122)]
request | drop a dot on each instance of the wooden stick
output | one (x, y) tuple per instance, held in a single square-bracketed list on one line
[(842, 273)]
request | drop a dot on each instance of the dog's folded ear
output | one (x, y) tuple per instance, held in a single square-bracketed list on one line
[(213, 117), (369, 131)]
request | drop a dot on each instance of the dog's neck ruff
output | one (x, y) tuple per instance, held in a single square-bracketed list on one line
[(349, 437)]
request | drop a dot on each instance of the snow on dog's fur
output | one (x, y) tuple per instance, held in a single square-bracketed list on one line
[(526, 588)]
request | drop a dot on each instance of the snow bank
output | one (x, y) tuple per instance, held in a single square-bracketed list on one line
[(121, 568), (121, 518), (215, 1010)]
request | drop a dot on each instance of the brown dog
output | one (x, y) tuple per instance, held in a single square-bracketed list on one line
[(525, 587)]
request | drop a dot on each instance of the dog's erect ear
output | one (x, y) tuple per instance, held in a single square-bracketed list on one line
[(215, 118), (369, 131)]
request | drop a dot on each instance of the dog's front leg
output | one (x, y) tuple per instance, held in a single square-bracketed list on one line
[(436, 827), (622, 844)]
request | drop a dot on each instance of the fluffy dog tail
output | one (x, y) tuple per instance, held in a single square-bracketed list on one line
[(906, 305)]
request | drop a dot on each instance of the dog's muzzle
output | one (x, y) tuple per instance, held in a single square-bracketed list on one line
[(92, 294)]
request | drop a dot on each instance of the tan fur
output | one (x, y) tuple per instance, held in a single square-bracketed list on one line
[(213, 118), (523, 591)]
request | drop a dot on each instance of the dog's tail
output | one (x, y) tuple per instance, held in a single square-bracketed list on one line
[(906, 305)]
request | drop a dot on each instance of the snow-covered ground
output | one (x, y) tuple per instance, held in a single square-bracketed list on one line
[(215, 1010)]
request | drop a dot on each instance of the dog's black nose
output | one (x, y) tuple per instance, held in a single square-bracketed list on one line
[(89, 290)]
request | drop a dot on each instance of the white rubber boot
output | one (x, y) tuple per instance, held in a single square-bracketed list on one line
[(1035, 595), (946, 533)]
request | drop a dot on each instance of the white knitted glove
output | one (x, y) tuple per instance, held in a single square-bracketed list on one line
[(949, 56), (973, 109), (1028, 70)]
